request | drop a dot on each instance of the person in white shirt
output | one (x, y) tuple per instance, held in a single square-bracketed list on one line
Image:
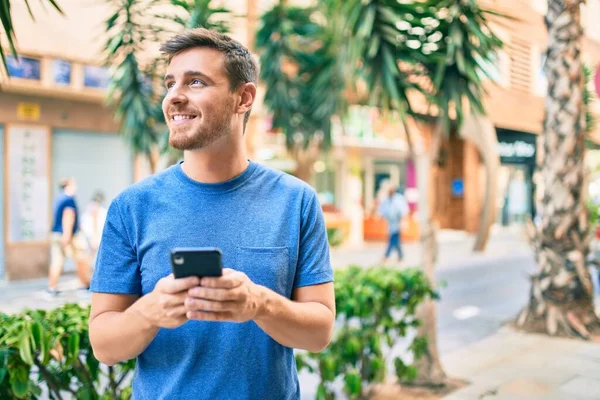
[(392, 209), (92, 223)]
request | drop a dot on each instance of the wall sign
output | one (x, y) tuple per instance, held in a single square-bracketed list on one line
[(28, 179), (458, 187), (516, 147), (28, 111)]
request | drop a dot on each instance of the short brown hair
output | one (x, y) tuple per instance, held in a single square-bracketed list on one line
[(64, 182), (240, 66)]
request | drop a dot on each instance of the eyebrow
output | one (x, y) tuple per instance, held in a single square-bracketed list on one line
[(191, 74)]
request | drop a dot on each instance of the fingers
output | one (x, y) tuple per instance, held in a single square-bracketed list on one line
[(177, 312), (172, 300), (210, 316), (208, 305), (218, 294), (172, 285), (230, 279)]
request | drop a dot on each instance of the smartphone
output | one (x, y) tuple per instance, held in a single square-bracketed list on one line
[(201, 261)]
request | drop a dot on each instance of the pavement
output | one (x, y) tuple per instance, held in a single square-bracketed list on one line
[(511, 365), (480, 293)]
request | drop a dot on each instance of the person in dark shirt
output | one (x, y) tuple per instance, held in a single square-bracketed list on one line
[(65, 239)]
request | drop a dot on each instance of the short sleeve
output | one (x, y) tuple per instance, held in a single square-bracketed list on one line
[(314, 266), (70, 203), (117, 268)]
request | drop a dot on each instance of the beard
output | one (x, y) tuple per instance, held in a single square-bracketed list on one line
[(201, 131)]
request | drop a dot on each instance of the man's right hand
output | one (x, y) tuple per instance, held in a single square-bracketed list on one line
[(164, 307)]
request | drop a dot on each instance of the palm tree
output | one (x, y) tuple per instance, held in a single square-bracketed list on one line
[(9, 29), (135, 90), (440, 48), (302, 70), (561, 297)]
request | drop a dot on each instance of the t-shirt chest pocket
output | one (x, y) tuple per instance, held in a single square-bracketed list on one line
[(267, 266)]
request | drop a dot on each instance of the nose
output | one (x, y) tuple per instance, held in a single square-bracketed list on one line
[(176, 95)]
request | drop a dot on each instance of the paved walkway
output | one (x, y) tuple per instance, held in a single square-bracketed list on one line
[(511, 365)]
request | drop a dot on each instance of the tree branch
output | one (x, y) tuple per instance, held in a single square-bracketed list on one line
[(52, 385)]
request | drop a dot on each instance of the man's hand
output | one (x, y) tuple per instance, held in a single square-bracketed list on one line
[(164, 307), (231, 297)]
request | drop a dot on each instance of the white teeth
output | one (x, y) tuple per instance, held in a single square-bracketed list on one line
[(182, 117)]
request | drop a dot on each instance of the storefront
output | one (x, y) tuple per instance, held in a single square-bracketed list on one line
[(515, 201), (43, 140)]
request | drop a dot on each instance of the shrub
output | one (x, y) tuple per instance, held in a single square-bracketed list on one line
[(335, 236), (51, 350), (375, 307)]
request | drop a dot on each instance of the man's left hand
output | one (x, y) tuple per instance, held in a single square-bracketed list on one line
[(230, 297)]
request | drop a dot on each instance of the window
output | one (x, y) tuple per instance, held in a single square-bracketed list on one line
[(23, 68), (95, 77), (541, 88), (62, 72)]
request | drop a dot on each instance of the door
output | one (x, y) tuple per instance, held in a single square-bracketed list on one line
[(98, 162)]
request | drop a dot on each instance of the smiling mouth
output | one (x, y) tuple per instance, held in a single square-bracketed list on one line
[(182, 119)]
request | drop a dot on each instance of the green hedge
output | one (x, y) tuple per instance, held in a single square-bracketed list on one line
[(375, 308), (51, 351)]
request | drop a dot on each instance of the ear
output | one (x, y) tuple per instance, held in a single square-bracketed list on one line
[(247, 96)]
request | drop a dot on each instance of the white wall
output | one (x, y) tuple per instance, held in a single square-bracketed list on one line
[(97, 162)]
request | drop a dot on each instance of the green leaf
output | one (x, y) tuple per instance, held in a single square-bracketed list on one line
[(86, 393), (73, 346), (322, 393), (20, 388), (25, 348), (327, 368), (353, 383)]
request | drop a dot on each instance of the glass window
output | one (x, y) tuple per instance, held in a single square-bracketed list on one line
[(24, 67), (62, 72), (95, 77), (541, 80)]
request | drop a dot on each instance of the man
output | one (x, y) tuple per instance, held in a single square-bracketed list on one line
[(392, 209), (213, 338), (65, 240)]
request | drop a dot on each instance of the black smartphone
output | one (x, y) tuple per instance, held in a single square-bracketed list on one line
[(201, 261)]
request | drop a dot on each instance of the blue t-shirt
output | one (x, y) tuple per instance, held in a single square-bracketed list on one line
[(64, 201), (267, 224)]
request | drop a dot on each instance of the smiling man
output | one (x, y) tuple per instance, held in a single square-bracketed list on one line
[(216, 338)]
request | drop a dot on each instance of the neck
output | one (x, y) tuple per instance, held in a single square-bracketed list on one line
[(221, 161)]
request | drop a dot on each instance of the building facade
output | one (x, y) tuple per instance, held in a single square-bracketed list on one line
[(54, 123), (516, 108)]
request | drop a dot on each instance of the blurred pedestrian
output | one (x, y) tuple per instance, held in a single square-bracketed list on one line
[(65, 239), (392, 209), (92, 224)]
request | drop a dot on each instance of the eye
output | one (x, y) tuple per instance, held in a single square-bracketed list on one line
[(196, 82), (169, 85)]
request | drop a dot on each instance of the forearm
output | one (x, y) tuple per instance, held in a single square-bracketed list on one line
[(307, 325), (120, 336)]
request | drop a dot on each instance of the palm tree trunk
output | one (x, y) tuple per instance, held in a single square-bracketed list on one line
[(429, 367), (482, 133), (561, 297)]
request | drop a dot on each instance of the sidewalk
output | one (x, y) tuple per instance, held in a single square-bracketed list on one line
[(511, 365), (455, 250)]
